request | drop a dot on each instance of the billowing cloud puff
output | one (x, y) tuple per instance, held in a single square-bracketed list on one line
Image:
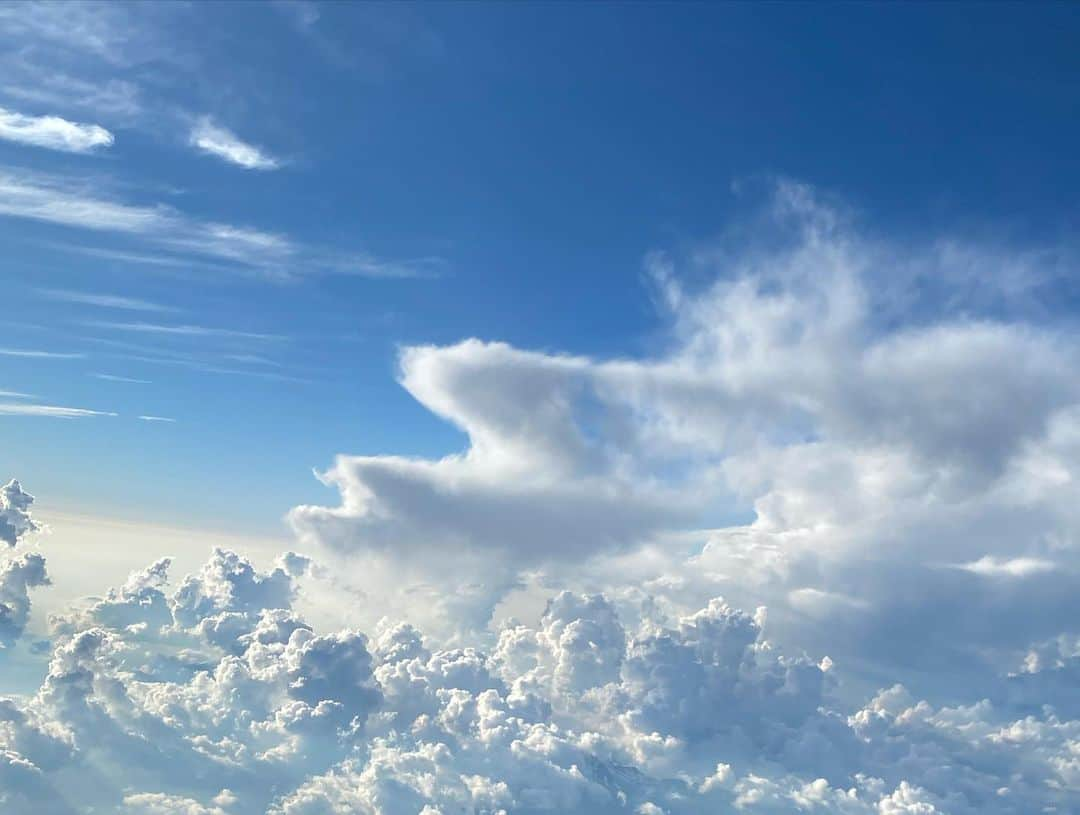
[(15, 520), (17, 576)]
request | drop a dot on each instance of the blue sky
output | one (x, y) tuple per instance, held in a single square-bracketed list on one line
[(501, 170), (601, 409)]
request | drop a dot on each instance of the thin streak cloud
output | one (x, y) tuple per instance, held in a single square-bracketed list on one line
[(49, 411), (156, 419), (104, 300), (272, 255), (114, 378), (183, 330), (36, 354)]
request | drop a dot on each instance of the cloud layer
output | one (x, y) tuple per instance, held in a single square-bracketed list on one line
[(216, 696)]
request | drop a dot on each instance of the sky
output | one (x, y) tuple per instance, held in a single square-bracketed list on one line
[(478, 407)]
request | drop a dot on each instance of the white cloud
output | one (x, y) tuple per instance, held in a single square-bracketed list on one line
[(17, 576), (82, 205), (33, 353), (103, 300), (156, 419), (182, 330), (217, 141), (53, 132), (990, 566), (51, 411), (15, 516), (126, 379)]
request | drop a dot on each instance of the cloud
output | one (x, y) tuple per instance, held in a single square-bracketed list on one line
[(16, 395), (217, 697), (82, 205), (182, 330), (990, 566), (33, 353), (789, 446), (51, 411), (15, 517), (217, 141), (155, 419), (52, 132), (815, 553), (17, 576), (104, 300), (126, 379)]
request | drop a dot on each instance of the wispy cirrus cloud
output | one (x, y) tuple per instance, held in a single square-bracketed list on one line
[(53, 132), (104, 300), (115, 378), (214, 140), (15, 395), (183, 330), (156, 419), (33, 353), (81, 205), (49, 411), (39, 198), (203, 366)]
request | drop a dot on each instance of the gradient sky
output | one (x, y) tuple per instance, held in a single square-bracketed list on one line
[(424, 174)]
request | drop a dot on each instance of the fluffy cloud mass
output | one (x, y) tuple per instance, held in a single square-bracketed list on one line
[(818, 554)]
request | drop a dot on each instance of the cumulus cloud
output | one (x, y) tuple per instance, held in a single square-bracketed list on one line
[(15, 517), (17, 576), (217, 141), (52, 132)]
